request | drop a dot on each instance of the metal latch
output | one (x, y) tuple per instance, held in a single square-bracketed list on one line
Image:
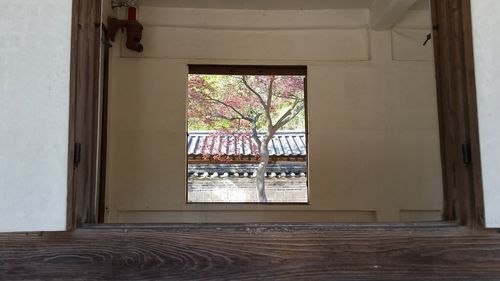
[(77, 154), (466, 153)]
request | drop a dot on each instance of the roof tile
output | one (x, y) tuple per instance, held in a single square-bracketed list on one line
[(285, 143)]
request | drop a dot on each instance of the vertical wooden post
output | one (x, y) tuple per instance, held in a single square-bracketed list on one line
[(84, 110), (457, 111)]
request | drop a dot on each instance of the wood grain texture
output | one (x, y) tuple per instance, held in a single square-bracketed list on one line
[(473, 125), (247, 69), (253, 252), (457, 111), (72, 113), (104, 130), (85, 84)]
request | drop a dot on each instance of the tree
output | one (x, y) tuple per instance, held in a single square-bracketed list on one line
[(247, 104)]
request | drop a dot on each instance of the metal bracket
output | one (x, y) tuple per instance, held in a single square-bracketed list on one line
[(105, 38), (123, 3)]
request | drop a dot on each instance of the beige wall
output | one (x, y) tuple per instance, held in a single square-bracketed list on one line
[(373, 127)]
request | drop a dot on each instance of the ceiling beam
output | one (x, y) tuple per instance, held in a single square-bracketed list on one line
[(385, 13)]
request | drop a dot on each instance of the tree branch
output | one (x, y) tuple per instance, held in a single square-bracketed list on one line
[(288, 115), (231, 107), (255, 133), (290, 97), (219, 116), (261, 100), (270, 93), (268, 106)]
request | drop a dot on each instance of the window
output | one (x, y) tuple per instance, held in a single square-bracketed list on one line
[(246, 135), (373, 149), (369, 153)]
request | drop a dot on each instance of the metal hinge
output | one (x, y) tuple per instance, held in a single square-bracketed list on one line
[(77, 153), (466, 153)]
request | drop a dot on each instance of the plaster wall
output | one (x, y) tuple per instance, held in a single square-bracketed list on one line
[(34, 106), (372, 113), (485, 22)]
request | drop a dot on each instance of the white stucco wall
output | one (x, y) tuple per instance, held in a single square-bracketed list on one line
[(34, 95), (485, 23)]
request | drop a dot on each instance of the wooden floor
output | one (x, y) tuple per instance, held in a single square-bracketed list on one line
[(253, 252)]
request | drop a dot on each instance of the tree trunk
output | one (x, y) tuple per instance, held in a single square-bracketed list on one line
[(261, 170)]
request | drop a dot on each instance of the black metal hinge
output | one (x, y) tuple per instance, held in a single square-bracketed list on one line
[(466, 153), (77, 153)]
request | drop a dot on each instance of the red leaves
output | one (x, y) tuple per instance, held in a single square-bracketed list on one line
[(226, 104)]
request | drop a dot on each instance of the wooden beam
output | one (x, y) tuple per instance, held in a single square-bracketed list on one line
[(250, 252), (457, 109), (385, 13), (248, 69), (85, 95)]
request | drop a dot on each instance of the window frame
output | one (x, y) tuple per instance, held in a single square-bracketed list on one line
[(456, 98), (220, 69)]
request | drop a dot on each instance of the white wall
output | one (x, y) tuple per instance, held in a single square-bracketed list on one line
[(485, 22), (373, 127), (34, 94)]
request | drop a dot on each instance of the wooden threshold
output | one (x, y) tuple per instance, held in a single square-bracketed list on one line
[(252, 252), (310, 225)]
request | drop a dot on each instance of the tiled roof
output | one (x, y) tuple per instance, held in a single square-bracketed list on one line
[(246, 170), (285, 143)]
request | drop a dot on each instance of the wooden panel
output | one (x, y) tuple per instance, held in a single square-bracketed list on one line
[(477, 200), (85, 85), (247, 69), (246, 252), (441, 43), (244, 216), (457, 111), (71, 121), (104, 130)]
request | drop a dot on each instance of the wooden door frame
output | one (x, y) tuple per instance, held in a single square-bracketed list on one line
[(456, 100), (84, 108), (457, 109)]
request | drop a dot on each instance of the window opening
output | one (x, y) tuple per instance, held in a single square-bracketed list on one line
[(246, 137)]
